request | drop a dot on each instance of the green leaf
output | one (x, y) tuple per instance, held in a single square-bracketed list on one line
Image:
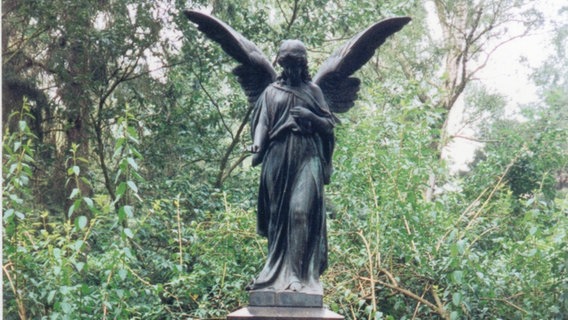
[(118, 174), (123, 165), (137, 175), (122, 273), (85, 290), (74, 193), (13, 168), (456, 298), (81, 222), (71, 210), (132, 163), (457, 276), (118, 147), (128, 233), (79, 266), (88, 201), (50, 296), (454, 315), (132, 134), (65, 290), (16, 199), (8, 213), (530, 201), (121, 189), (129, 210), (121, 214), (132, 186), (57, 254), (22, 125), (85, 181), (461, 246), (78, 244), (66, 307), (20, 215), (128, 253), (136, 153)]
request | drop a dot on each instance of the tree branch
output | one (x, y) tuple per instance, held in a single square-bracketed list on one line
[(215, 104), (413, 296), (490, 53), (19, 301), (223, 174), (472, 138), (294, 15)]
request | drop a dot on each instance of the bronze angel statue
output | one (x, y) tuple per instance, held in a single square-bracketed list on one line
[(292, 131)]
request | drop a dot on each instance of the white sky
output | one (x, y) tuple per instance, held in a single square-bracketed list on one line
[(507, 75)]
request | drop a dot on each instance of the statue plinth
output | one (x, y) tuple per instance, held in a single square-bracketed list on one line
[(268, 298), (267, 304), (296, 313)]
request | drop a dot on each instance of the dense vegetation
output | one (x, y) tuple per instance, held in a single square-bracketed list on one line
[(127, 193)]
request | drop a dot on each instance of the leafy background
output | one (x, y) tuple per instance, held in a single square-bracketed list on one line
[(127, 193)]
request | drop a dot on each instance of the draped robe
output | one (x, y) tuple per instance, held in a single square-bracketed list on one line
[(296, 163)]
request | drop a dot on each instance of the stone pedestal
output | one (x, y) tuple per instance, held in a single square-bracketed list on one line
[(267, 298), (295, 313), (267, 304)]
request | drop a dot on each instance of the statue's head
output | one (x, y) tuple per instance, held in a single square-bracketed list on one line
[(293, 58), (292, 52)]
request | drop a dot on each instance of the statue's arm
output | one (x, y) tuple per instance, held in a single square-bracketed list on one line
[(323, 123), (260, 135), (260, 132)]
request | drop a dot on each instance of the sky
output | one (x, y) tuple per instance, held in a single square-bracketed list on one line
[(508, 73)]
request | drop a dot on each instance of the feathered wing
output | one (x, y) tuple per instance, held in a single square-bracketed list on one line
[(254, 71), (334, 76)]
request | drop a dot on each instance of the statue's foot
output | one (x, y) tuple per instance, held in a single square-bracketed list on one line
[(295, 286)]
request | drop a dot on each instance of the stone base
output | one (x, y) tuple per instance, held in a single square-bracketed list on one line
[(266, 298), (295, 313)]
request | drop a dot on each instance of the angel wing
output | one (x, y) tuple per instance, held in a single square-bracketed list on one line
[(334, 76), (254, 72)]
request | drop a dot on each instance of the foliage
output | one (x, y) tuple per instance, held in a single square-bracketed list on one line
[(127, 192)]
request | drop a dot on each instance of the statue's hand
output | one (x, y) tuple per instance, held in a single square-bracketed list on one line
[(254, 148), (299, 112)]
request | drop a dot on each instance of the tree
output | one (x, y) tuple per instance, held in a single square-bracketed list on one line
[(469, 33), (72, 61)]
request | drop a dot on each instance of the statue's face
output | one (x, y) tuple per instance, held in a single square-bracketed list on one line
[(293, 70), (290, 61)]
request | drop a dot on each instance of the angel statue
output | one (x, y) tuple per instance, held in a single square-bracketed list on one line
[(292, 131)]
